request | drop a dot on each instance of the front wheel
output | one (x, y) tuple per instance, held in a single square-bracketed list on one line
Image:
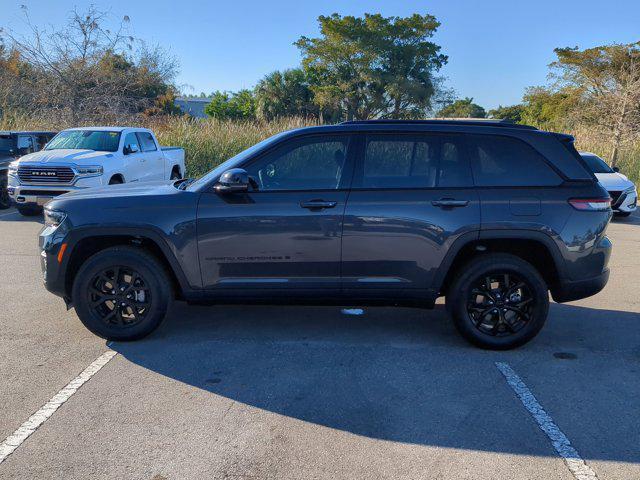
[(498, 301), (122, 293)]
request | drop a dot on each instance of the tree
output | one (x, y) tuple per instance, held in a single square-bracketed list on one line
[(606, 82), (286, 93), (87, 69), (511, 113), (547, 109), (462, 108), (231, 106), (373, 66)]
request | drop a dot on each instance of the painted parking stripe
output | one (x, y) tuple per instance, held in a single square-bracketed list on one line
[(562, 445), (13, 441)]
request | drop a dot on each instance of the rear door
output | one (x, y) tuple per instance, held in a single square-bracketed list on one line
[(412, 197), (154, 163), (286, 233)]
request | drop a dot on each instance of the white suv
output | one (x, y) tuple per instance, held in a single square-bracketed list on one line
[(624, 196)]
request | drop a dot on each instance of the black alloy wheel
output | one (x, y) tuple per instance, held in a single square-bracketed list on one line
[(119, 296), (498, 301), (500, 304)]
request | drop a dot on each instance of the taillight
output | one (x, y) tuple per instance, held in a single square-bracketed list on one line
[(591, 204)]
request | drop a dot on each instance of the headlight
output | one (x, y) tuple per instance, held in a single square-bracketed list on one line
[(13, 168), (89, 171), (53, 218)]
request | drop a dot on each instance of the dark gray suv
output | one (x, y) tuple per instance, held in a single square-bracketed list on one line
[(493, 216)]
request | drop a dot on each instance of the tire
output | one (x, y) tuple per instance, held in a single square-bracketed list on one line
[(175, 175), (29, 211), (115, 181), (496, 320), (621, 214), (5, 199), (151, 299)]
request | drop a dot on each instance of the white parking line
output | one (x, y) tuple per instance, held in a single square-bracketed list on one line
[(13, 441), (562, 445)]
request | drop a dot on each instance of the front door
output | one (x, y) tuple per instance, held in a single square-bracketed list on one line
[(153, 159), (286, 232), (412, 197)]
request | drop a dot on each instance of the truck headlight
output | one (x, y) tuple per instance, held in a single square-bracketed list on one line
[(53, 218), (13, 169), (90, 170)]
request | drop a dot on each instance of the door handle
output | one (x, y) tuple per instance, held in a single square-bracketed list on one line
[(449, 202), (317, 204)]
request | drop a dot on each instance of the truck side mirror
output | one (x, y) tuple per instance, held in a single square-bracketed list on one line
[(131, 148), (234, 180), (616, 169)]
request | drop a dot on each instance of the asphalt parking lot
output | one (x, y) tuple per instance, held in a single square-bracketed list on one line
[(305, 392)]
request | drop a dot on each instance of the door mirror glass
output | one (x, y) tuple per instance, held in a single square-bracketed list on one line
[(131, 148), (233, 181)]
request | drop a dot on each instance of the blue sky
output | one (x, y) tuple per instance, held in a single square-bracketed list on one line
[(496, 48)]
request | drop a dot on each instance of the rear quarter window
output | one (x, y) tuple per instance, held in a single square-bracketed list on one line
[(146, 142), (501, 161)]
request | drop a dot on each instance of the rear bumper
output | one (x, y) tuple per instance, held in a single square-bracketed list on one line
[(570, 290)]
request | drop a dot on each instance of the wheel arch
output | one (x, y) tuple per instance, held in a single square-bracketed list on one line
[(537, 248), (88, 242)]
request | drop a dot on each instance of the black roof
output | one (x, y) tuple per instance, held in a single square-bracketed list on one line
[(443, 121)]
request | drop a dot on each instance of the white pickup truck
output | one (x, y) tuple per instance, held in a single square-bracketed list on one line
[(90, 157)]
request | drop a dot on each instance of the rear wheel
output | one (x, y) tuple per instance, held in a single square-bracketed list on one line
[(5, 200), (117, 180), (175, 174), (29, 210), (498, 301), (122, 293)]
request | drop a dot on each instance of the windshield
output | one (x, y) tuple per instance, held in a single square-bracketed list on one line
[(233, 162), (102, 141), (596, 164), (6, 143)]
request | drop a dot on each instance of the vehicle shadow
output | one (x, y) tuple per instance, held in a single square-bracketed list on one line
[(394, 374), (633, 219), (12, 215)]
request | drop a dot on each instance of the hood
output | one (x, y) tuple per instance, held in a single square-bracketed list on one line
[(614, 181), (124, 190), (78, 157)]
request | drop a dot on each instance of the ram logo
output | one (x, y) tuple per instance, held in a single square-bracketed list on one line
[(37, 173)]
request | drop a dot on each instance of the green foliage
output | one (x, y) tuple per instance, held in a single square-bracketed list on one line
[(548, 109), (462, 108), (232, 106), (373, 66), (283, 94), (513, 113)]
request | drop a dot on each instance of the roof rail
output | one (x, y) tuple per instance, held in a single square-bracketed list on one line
[(443, 121)]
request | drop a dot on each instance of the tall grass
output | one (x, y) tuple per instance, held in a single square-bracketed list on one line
[(209, 142)]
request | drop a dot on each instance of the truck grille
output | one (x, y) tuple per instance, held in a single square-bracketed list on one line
[(33, 174)]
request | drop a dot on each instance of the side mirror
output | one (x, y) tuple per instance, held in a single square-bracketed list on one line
[(131, 148), (234, 180), (12, 152), (616, 169)]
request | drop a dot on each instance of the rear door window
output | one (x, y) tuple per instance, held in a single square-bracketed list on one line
[(500, 161), (146, 142), (414, 161)]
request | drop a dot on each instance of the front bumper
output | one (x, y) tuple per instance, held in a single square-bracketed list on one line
[(626, 202), (38, 194), (52, 263)]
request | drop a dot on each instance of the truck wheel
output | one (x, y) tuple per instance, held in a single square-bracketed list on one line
[(122, 293), (175, 174), (498, 301), (29, 210), (117, 180), (5, 199)]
